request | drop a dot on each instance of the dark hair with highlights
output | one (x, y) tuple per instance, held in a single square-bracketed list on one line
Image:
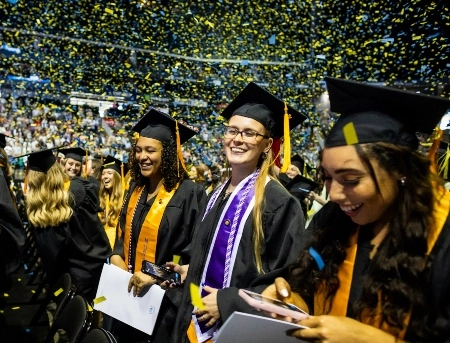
[(169, 167), (399, 268)]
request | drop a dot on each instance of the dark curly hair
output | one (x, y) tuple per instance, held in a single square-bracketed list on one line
[(398, 270), (169, 167)]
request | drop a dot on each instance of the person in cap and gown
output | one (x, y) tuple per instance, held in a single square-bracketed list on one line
[(249, 231), (378, 268), (66, 240), (159, 213), (12, 233), (73, 164), (112, 190)]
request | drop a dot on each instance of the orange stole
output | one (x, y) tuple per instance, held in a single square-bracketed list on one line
[(192, 336), (345, 273), (146, 247)]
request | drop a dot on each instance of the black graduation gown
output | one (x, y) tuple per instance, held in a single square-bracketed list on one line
[(80, 246), (12, 233), (284, 236), (174, 235), (437, 292)]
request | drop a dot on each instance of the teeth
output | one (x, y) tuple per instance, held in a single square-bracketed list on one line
[(350, 208), (237, 150)]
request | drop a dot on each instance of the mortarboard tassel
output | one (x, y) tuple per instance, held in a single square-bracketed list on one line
[(122, 177), (443, 164), (286, 142), (180, 154), (85, 166), (25, 181), (432, 153)]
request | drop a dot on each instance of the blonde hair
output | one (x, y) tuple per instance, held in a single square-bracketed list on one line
[(48, 203), (115, 201), (267, 169)]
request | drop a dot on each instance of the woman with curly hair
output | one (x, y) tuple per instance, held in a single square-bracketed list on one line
[(378, 268), (62, 215), (249, 231), (12, 234), (159, 212), (112, 190)]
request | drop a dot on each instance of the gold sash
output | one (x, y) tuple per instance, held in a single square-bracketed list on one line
[(340, 301), (146, 247)]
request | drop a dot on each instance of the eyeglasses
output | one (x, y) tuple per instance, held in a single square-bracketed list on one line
[(232, 132)]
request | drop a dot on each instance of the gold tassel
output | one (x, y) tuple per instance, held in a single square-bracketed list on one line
[(122, 177), (286, 142), (85, 165), (432, 153), (180, 154), (443, 164)]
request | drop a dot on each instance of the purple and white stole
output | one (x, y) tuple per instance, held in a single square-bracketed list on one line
[(222, 253)]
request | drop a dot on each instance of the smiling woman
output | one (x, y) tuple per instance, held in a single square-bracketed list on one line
[(252, 227), (383, 240), (112, 190), (158, 214)]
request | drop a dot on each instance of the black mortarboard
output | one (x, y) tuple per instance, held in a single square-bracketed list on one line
[(162, 127), (76, 154), (256, 103), (299, 162), (114, 164), (3, 140), (300, 185), (40, 161), (372, 114)]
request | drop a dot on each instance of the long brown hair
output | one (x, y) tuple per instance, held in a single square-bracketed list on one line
[(398, 269)]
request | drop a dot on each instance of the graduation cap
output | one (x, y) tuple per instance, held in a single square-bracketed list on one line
[(301, 186), (371, 114), (274, 114), (162, 127), (41, 160), (74, 153), (114, 164), (300, 163), (3, 140)]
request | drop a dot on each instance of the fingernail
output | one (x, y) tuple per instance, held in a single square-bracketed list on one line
[(284, 293), (290, 332)]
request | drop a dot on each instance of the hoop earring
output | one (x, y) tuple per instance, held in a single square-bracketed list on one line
[(402, 181)]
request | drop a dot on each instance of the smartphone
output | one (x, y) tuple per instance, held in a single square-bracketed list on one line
[(267, 304), (160, 273)]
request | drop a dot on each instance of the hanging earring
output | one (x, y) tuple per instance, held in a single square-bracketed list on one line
[(403, 180), (264, 155)]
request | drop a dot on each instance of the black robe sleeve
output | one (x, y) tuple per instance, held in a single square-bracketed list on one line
[(12, 233)]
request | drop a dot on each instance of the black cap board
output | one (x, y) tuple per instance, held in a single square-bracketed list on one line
[(41, 160), (162, 127), (114, 164), (300, 185), (371, 113), (76, 154), (257, 103)]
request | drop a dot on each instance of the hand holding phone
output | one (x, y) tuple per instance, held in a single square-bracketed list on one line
[(160, 273), (267, 304)]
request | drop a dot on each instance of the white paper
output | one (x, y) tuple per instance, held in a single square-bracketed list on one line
[(249, 328), (139, 312)]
